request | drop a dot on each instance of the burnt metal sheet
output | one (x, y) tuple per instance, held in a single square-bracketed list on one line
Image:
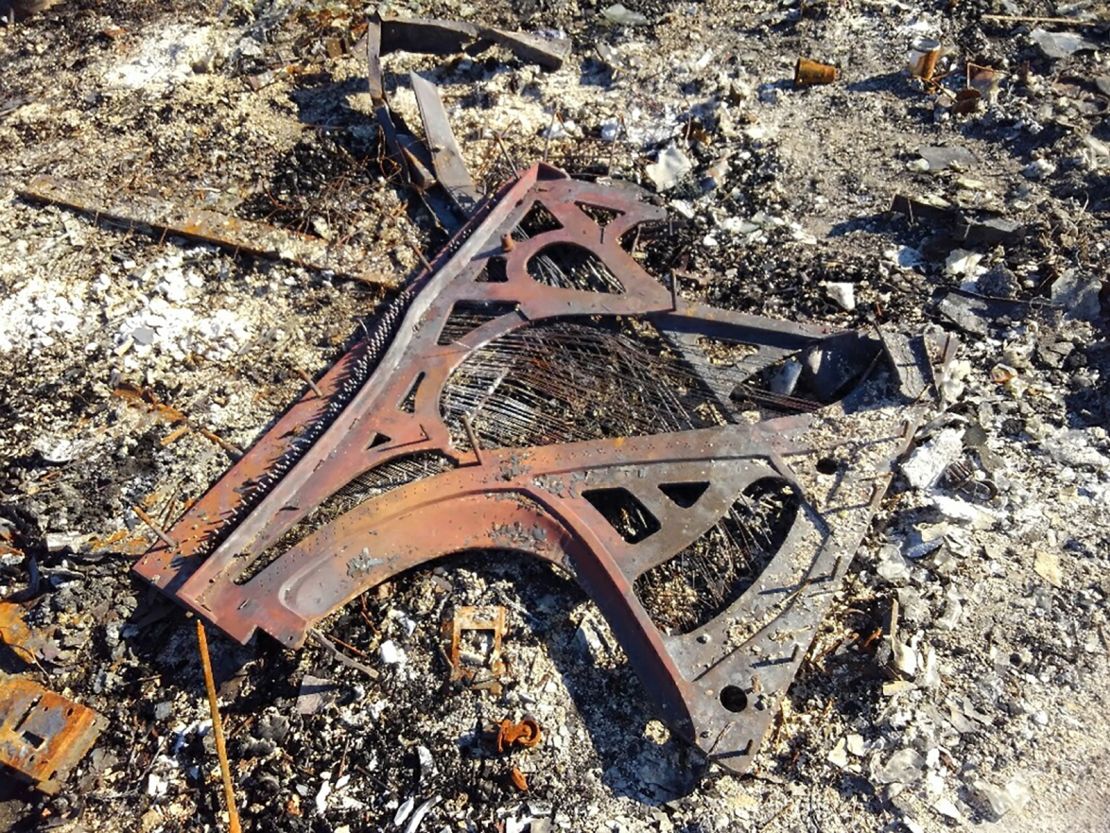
[(15, 635), (548, 53), (530, 393), (42, 734), (425, 36)]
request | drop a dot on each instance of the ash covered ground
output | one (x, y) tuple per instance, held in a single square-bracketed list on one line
[(987, 709)]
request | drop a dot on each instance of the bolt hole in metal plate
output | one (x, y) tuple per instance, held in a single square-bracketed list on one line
[(539, 392), (42, 734)]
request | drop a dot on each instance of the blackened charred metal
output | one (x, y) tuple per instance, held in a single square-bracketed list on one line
[(629, 437), (446, 37)]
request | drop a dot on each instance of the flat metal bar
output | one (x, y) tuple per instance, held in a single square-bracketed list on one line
[(250, 236), (740, 327), (549, 54), (446, 155), (425, 36), (374, 61)]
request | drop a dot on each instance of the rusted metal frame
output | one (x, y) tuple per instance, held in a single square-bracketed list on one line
[(225, 500), (502, 504), (42, 734), (375, 409), (470, 618), (251, 237), (312, 409)]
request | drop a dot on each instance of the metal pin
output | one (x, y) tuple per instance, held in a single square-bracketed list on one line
[(473, 439), (308, 380), (149, 521)]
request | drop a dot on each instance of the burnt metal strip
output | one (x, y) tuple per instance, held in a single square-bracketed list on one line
[(447, 158), (374, 61), (564, 275), (139, 211), (447, 37)]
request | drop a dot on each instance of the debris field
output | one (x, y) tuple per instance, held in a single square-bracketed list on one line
[(533, 417)]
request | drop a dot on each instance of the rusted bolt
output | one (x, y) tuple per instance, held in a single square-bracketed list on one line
[(507, 243)]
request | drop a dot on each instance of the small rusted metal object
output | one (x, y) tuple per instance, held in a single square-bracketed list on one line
[(967, 101), (487, 619), (809, 73), (518, 779), (922, 60), (526, 734), (42, 734), (985, 80), (619, 432), (14, 633)]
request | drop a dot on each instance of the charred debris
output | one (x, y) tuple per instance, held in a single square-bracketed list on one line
[(541, 386)]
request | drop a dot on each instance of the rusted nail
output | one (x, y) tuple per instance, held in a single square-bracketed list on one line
[(526, 734), (470, 435), (221, 442), (809, 73), (420, 254), (308, 380), (157, 530), (175, 435)]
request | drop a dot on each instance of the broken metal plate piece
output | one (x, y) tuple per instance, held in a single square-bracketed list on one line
[(487, 619), (42, 734), (705, 475)]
